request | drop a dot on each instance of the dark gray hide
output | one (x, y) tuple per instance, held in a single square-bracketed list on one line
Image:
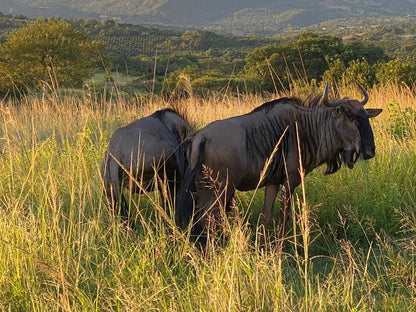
[(236, 150), (143, 147)]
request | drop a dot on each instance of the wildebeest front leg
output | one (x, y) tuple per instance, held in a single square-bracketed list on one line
[(270, 194), (286, 202)]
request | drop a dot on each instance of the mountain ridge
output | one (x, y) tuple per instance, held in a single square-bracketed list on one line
[(261, 17)]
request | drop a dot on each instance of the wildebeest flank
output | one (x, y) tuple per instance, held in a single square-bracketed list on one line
[(143, 147), (236, 149)]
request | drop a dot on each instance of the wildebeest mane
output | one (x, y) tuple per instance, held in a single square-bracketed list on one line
[(311, 101), (266, 107), (160, 114), (271, 127), (261, 140)]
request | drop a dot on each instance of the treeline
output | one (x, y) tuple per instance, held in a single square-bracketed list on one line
[(9, 23), (200, 61), (128, 39), (163, 57), (306, 60), (397, 35)]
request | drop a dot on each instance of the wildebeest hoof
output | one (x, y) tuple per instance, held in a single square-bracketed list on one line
[(265, 221)]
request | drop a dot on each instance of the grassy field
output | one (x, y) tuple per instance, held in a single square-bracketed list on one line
[(352, 246)]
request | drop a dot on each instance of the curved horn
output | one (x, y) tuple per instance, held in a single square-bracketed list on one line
[(325, 100), (364, 91)]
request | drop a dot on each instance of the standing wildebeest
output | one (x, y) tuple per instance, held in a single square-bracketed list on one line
[(235, 151), (143, 147)]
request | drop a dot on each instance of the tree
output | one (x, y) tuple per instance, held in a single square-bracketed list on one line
[(46, 52), (363, 50), (309, 57), (359, 71), (304, 58), (334, 73), (397, 71)]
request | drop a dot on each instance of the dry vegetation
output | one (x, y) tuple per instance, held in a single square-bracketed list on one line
[(352, 247)]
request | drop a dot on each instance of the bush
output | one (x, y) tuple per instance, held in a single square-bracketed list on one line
[(396, 71), (401, 121)]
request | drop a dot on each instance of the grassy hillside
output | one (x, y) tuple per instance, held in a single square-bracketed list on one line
[(61, 248)]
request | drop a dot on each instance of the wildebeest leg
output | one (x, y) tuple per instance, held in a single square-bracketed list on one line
[(230, 201), (112, 176), (124, 210), (124, 207), (270, 194), (286, 201), (118, 204), (112, 197)]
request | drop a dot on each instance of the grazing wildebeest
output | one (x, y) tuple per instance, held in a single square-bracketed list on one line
[(143, 147), (235, 150)]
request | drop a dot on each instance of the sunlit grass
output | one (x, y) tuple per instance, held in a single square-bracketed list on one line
[(61, 248)]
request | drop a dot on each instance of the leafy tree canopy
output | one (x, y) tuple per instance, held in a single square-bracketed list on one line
[(302, 58), (47, 52), (397, 71), (309, 57)]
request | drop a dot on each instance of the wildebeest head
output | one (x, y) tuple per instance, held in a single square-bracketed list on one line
[(353, 127)]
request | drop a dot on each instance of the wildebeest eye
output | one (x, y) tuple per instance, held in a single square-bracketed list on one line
[(350, 115)]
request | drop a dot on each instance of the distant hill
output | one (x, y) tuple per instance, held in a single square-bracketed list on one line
[(240, 17)]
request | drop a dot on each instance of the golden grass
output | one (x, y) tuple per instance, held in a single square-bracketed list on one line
[(61, 248)]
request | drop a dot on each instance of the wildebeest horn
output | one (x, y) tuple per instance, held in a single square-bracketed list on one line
[(364, 91), (325, 100)]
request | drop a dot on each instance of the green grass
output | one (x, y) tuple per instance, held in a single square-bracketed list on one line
[(61, 248), (120, 79)]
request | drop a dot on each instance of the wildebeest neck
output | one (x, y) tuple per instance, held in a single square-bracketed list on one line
[(317, 138)]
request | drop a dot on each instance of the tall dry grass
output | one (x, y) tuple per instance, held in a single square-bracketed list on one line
[(351, 247)]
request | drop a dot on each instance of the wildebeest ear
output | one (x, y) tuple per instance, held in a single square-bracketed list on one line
[(373, 112)]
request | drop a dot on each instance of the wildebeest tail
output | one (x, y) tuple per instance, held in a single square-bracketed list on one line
[(184, 203), (181, 157)]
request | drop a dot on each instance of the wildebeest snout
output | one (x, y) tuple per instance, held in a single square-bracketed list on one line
[(369, 152)]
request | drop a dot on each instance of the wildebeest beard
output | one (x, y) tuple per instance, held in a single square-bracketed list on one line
[(349, 157)]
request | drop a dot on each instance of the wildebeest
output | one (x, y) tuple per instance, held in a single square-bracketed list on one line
[(143, 147), (235, 150)]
